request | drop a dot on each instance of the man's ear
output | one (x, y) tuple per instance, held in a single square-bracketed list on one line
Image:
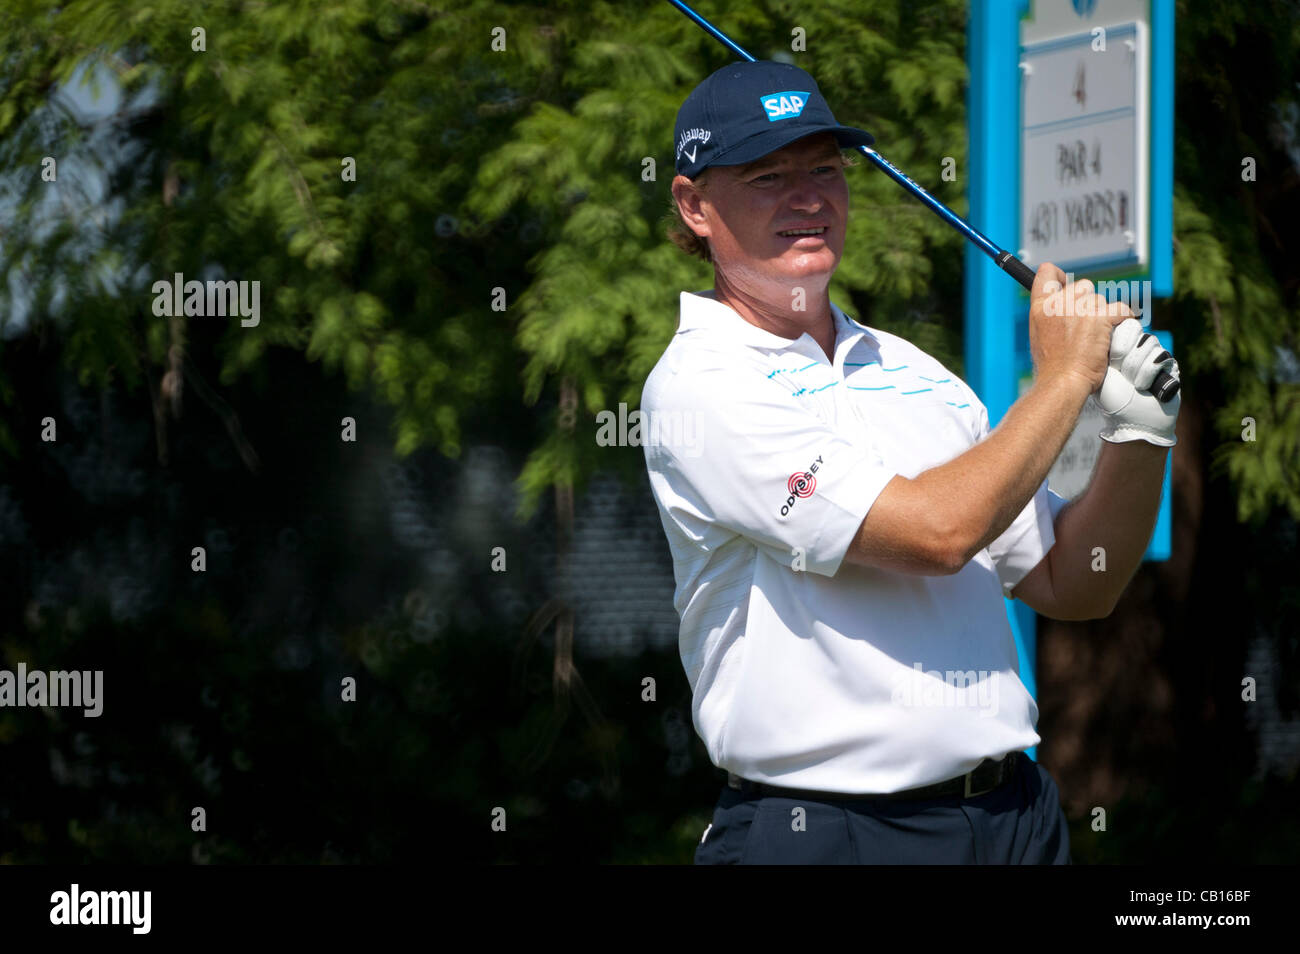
[(690, 206)]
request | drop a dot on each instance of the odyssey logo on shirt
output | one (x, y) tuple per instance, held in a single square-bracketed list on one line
[(801, 485), (786, 105)]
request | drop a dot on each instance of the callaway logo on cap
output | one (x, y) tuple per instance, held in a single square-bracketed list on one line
[(746, 110)]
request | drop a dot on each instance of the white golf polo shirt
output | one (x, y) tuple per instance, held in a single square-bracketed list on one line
[(809, 672)]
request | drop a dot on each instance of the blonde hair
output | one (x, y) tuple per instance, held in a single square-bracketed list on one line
[(679, 233)]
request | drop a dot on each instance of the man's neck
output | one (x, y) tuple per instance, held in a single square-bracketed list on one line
[(818, 321)]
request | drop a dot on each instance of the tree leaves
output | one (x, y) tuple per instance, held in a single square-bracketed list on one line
[(527, 170)]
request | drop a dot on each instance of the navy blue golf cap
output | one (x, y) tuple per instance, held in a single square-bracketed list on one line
[(746, 110)]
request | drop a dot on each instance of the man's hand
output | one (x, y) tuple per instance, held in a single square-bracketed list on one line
[(1070, 328), (1131, 412)]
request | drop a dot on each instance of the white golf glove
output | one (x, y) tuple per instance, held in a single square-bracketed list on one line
[(1131, 412)]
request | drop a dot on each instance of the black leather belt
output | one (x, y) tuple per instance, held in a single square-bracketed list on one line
[(984, 778)]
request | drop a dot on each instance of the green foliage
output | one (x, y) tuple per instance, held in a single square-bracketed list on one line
[(1236, 316), (252, 133)]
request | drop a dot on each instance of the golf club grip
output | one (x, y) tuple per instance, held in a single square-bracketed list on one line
[(1016, 269), (1164, 387)]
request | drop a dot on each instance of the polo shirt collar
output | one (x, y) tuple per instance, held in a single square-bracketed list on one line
[(701, 311)]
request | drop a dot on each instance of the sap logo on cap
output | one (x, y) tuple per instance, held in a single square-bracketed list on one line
[(783, 105)]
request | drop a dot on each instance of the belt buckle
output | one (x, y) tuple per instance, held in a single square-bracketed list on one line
[(969, 792)]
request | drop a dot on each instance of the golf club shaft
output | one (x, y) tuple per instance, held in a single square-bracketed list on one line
[(1164, 387)]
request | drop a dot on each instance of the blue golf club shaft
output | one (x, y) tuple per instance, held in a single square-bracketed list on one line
[(1165, 385)]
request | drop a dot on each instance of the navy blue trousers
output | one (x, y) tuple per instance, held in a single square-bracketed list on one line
[(1019, 823)]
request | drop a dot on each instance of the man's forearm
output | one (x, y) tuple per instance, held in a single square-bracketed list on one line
[(1116, 514), (983, 490)]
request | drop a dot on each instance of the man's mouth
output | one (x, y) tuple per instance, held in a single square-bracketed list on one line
[(795, 233)]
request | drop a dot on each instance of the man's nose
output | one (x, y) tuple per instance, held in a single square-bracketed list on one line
[(806, 193)]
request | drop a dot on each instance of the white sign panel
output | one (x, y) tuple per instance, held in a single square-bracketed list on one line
[(1072, 472), (1084, 141)]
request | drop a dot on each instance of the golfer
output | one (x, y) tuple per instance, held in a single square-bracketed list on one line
[(844, 525)]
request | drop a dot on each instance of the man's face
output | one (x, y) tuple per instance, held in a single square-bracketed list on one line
[(746, 209)]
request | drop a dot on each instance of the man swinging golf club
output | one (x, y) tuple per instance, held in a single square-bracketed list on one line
[(845, 525)]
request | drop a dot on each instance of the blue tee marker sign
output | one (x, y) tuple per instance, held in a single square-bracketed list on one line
[(1098, 199)]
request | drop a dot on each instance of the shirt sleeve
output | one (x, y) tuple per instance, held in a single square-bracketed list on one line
[(1023, 545), (728, 447)]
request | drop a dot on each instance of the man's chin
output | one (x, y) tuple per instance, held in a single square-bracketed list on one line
[(809, 271), (810, 265)]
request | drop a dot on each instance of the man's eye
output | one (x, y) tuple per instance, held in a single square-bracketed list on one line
[(824, 169), (765, 177)]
